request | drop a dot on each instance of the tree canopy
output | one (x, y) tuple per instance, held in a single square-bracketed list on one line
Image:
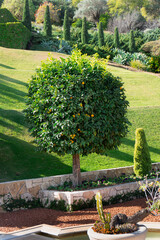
[(76, 106), (91, 9)]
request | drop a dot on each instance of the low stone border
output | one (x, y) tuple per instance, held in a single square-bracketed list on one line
[(70, 197), (26, 189)]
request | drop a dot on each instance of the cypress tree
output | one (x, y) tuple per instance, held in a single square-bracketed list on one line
[(47, 23), (142, 160), (66, 27), (131, 42), (84, 32), (26, 19), (100, 35), (116, 37)]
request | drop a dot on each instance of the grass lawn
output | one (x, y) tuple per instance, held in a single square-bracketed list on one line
[(19, 157)]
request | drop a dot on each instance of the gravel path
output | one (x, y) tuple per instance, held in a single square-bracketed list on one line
[(11, 221)]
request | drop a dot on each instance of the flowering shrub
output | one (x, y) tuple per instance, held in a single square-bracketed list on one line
[(154, 64)]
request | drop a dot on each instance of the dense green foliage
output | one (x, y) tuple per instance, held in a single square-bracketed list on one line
[(6, 16), (26, 18), (116, 38), (142, 160), (66, 113), (100, 35), (131, 42), (84, 32), (47, 23), (66, 27), (15, 35)]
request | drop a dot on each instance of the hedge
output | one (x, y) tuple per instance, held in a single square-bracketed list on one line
[(6, 16), (152, 47), (14, 35)]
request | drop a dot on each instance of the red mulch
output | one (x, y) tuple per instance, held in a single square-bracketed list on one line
[(11, 221)]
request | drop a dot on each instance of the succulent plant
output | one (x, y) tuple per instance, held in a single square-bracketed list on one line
[(127, 228)]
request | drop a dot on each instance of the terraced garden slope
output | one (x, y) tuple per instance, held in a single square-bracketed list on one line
[(19, 158)]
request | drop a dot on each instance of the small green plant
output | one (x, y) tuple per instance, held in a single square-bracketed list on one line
[(152, 194), (47, 23), (142, 160), (154, 64)]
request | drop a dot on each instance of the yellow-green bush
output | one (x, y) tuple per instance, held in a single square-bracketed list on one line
[(142, 160), (137, 64), (14, 35)]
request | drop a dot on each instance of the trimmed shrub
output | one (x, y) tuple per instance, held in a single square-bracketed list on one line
[(153, 48), (66, 27), (15, 35), (6, 16), (26, 19), (131, 42), (84, 33), (47, 23), (142, 160), (116, 38), (100, 35)]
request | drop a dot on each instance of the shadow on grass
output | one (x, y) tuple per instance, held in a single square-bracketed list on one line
[(20, 156), (12, 80), (131, 143), (12, 115), (6, 66), (12, 93)]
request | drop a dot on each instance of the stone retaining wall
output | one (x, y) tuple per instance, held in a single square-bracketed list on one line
[(31, 187)]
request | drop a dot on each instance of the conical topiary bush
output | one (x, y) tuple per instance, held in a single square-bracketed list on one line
[(142, 160)]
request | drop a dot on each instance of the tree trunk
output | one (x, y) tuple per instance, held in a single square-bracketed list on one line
[(76, 170)]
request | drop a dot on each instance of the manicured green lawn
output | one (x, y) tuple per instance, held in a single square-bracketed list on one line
[(19, 157)]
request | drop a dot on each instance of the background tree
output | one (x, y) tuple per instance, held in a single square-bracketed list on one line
[(16, 8), (142, 160), (66, 27), (26, 19), (77, 107), (75, 2), (47, 23), (126, 22), (116, 37), (131, 42), (40, 13), (84, 32), (100, 35), (91, 9)]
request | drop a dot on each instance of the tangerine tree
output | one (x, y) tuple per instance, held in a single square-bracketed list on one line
[(76, 106)]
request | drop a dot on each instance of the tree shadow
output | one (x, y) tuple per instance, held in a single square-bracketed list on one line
[(131, 143), (8, 79), (23, 157), (6, 66), (12, 92)]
